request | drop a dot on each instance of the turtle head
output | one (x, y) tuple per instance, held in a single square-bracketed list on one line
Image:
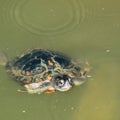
[(73, 76), (78, 73)]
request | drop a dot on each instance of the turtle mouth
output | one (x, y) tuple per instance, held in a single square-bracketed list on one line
[(62, 82)]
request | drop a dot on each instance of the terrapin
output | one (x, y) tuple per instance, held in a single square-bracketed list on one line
[(40, 70)]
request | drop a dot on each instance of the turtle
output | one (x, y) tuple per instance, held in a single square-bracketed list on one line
[(44, 71)]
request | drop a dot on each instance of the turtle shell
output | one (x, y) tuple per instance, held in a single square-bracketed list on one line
[(37, 65)]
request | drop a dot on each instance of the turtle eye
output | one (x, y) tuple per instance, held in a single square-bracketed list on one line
[(59, 81), (62, 82)]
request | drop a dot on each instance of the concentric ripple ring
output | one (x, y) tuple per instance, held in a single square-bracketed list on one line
[(44, 18)]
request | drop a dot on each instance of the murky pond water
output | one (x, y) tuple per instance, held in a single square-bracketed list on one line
[(86, 29)]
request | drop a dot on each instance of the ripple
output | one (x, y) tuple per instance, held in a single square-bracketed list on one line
[(45, 17)]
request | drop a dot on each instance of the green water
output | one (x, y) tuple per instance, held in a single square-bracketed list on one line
[(86, 29)]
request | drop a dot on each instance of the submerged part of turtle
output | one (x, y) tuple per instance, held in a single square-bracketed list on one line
[(40, 70), (3, 58)]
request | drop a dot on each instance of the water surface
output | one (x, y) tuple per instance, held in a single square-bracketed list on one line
[(83, 29)]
